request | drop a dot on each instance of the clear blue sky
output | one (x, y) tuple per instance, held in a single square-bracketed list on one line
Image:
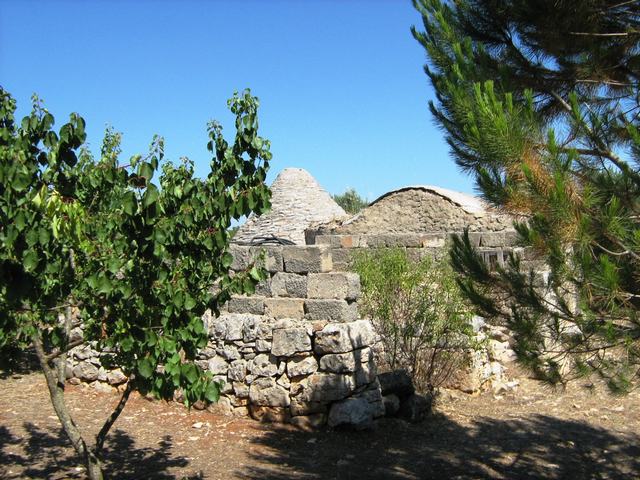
[(341, 84)]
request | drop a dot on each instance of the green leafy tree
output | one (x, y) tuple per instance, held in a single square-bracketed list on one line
[(99, 245), (540, 103), (351, 201)]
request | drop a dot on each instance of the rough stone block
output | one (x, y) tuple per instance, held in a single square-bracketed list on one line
[(337, 285), (415, 408), (342, 259), (284, 307), (332, 310), (344, 337), (289, 285), (237, 370), (240, 304), (326, 387), (272, 257), (434, 241), (304, 259), (263, 365), (229, 352), (241, 257), (299, 366), (354, 412), (86, 372), (269, 414), (240, 390), (289, 341), (299, 407), (309, 423), (218, 366), (339, 362), (266, 392)]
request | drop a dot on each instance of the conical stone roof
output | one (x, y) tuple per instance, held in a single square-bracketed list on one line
[(297, 201)]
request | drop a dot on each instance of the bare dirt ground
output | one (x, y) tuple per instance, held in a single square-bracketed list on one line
[(532, 433)]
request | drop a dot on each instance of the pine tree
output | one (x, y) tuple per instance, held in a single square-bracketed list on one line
[(539, 102)]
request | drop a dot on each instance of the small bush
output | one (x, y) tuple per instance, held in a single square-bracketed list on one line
[(419, 313)]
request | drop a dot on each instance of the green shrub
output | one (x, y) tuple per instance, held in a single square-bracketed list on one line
[(418, 311)]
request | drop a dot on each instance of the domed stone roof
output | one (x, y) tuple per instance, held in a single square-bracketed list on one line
[(297, 201)]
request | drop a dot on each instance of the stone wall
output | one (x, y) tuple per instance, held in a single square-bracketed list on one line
[(294, 351)]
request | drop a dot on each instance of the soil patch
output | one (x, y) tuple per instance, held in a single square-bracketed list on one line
[(533, 432)]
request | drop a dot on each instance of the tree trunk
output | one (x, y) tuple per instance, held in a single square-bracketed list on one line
[(56, 392)]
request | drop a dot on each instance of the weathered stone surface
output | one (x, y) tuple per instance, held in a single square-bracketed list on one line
[(326, 387), (272, 257), (339, 362), (299, 366), (344, 337), (116, 377), (86, 372), (415, 408), (240, 390), (269, 414), (263, 345), (397, 382), (300, 407), (340, 286), (355, 412), (240, 304), (304, 259), (289, 341), (289, 285), (250, 328), (284, 307), (365, 370), (309, 423), (266, 392), (218, 366), (229, 352), (264, 331), (241, 257), (234, 323), (263, 365), (221, 407), (332, 310), (237, 370)]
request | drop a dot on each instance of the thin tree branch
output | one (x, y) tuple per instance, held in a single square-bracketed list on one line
[(102, 435)]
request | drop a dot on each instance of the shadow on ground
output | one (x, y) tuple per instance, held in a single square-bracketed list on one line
[(538, 447), (46, 454)]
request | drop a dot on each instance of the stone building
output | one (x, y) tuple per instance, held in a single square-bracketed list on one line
[(297, 201)]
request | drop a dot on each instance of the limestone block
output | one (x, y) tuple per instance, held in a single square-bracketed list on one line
[(289, 341), (415, 408), (283, 381), (434, 241), (284, 307), (326, 387), (221, 407), (337, 285), (299, 366), (365, 372), (234, 323), (102, 374), (225, 387), (344, 337), (289, 285), (300, 407), (332, 310), (341, 259), (265, 391), (229, 352), (218, 366), (217, 327), (263, 365), (250, 328), (303, 259), (241, 304), (269, 414), (241, 257), (309, 423), (116, 377), (263, 288), (264, 331), (339, 362), (373, 395), (273, 257), (355, 412), (237, 370), (263, 345), (240, 390), (86, 372)]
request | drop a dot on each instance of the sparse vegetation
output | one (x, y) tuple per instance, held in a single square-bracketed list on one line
[(419, 312)]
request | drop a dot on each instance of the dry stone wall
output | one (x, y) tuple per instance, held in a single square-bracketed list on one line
[(294, 351)]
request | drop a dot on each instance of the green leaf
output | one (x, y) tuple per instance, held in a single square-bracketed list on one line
[(212, 393), (145, 369), (189, 302), (227, 259), (129, 203), (126, 344), (150, 196), (30, 261), (190, 372)]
